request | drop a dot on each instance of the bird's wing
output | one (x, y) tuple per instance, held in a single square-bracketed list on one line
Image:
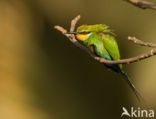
[(97, 46), (111, 46)]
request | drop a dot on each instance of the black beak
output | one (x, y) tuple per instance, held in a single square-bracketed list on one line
[(72, 33)]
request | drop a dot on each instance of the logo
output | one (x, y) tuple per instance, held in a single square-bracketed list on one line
[(137, 112)]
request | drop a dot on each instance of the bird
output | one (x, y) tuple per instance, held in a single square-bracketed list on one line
[(101, 41)]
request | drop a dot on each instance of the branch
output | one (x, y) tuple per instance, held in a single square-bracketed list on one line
[(72, 38), (140, 42), (142, 4)]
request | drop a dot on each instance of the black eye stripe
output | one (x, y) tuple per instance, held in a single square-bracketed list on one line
[(84, 33)]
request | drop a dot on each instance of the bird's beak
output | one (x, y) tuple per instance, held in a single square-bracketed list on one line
[(74, 33)]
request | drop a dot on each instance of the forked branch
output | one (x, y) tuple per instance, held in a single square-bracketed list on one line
[(140, 57)]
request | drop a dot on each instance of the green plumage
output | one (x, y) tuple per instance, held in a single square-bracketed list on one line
[(101, 40)]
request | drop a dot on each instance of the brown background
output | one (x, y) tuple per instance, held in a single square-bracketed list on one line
[(44, 76)]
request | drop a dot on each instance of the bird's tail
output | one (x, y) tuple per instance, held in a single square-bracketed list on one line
[(128, 80)]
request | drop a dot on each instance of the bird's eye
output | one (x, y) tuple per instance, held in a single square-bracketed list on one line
[(84, 33)]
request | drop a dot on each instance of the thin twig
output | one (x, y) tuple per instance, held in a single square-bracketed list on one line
[(74, 22), (142, 4), (72, 38), (129, 60), (140, 42)]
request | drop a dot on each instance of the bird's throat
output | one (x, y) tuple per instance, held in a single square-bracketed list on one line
[(82, 37)]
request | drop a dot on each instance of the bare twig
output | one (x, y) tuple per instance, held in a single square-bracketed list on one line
[(74, 22), (140, 42), (142, 4), (72, 38)]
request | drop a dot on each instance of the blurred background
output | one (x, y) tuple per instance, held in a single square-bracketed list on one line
[(44, 76)]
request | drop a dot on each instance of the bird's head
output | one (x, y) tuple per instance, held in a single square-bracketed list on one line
[(83, 32)]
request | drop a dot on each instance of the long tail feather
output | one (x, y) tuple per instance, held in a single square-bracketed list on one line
[(128, 80)]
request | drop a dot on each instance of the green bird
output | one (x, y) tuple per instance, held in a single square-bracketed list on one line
[(101, 41)]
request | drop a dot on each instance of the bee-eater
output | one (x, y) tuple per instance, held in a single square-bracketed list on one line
[(101, 41)]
